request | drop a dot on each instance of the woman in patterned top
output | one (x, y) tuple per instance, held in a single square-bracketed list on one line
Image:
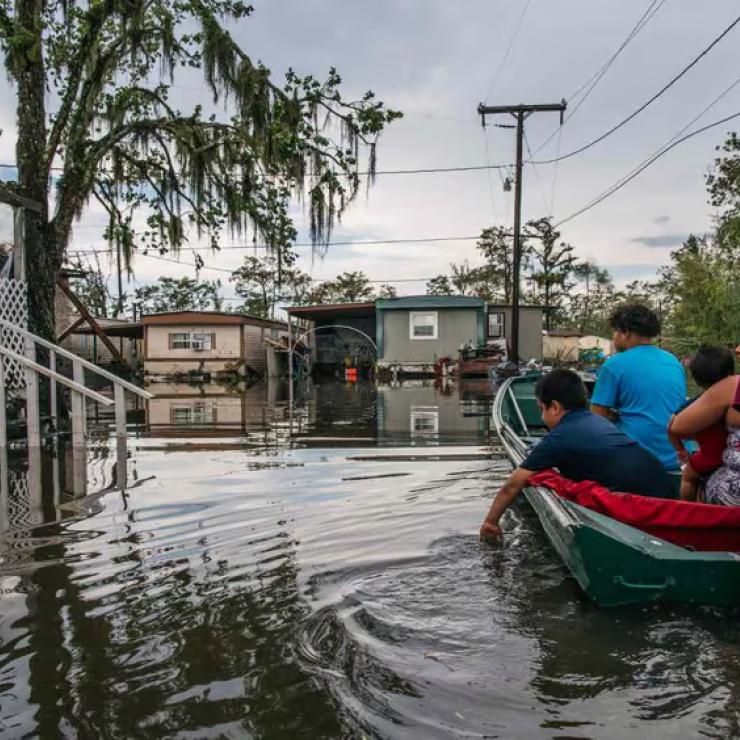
[(721, 401)]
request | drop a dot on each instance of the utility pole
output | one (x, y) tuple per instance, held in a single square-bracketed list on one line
[(521, 113)]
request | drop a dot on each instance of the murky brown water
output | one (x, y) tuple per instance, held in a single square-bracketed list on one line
[(249, 587)]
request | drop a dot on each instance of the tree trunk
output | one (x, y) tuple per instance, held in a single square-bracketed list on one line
[(42, 259)]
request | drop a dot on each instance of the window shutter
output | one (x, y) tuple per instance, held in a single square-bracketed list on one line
[(171, 338), (213, 340)]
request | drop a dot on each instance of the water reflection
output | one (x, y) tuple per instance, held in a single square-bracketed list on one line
[(416, 413)]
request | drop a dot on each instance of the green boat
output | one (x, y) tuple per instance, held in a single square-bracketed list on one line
[(614, 563)]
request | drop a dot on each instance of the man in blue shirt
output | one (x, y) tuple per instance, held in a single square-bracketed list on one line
[(642, 386), (582, 446)]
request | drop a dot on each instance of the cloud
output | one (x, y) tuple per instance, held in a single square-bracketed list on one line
[(661, 242), (661, 220), (624, 274)]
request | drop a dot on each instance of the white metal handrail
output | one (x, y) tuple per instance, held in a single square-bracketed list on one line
[(80, 392), (76, 387), (130, 387)]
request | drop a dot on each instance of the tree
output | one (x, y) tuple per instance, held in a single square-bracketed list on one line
[(591, 274), (105, 68), (440, 285), (723, 183), (349, 287), (264, 284), (179, 294), (703, 295), (496, 245), (464, 279), (553, 267), (92, 288), (386, 292)]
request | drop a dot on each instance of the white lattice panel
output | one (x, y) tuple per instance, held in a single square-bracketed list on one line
[(20, 513), (13, 308)]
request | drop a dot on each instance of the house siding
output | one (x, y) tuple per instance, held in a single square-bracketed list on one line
[(161, 359), (531, 325), (454, 327), (92, 349), (234, 342)]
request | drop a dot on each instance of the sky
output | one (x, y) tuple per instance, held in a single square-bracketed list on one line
[(436, 61)]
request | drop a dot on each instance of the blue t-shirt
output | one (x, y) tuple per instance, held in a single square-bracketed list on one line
[(585, 446), (645, 385)]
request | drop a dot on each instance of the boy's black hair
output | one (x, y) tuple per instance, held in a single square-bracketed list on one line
[(635, 318), (564, 386), (712, 364)]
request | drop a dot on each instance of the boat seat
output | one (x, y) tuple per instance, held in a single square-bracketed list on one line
[(530, 410)]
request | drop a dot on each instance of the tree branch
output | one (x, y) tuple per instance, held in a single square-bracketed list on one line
[(96, 17), (7, 26)]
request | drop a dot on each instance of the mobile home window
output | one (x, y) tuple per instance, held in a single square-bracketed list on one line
[(192, 340), (197, 414), (424, 421), (495, 326), (424, 326)]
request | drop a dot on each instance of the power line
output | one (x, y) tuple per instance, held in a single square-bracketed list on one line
[(644, 20), (374, 242), (657, 95), (314, 280), (594, 80), (537, 175), (512, 41), (421, 171), (490, 176), (626, 180), (557, 171), (646, 17)]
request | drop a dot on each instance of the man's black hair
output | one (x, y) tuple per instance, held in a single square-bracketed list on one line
[(712, 364), (635, 318), (564, 386)]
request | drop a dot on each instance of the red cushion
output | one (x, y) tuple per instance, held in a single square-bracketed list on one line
[(703, 527)]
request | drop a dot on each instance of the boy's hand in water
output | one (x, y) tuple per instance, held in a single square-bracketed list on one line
[(490, 531)]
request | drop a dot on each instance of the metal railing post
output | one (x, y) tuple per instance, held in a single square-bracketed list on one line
[(53, 389), (33, 427), (33, 411), (121, 456), (79, 451)]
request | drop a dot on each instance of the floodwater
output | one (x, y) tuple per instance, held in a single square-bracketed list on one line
[(319, 575)]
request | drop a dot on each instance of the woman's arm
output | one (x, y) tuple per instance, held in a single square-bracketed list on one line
[(681, 452), (709, 408)]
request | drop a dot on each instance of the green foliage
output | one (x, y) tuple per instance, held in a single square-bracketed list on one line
[(108, 66), (92, 288), (349, 287), (553, 268), (496, 247), (703, 289), (179, 294), (386, 292), (464, 279), (267, 282), (723, 183)]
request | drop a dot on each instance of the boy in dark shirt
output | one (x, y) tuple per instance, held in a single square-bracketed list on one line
[(582, 446)]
